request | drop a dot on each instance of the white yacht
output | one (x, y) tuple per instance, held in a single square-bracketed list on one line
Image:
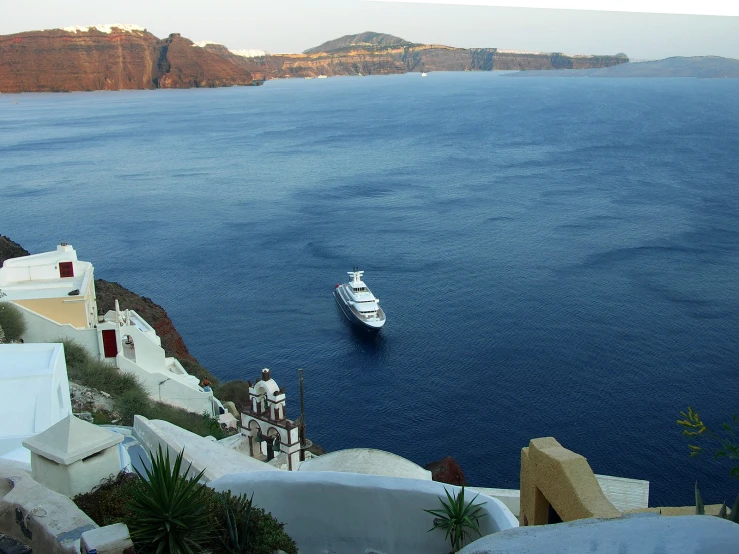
[(358, 303)]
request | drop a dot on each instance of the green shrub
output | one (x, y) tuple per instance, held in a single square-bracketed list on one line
[(108, 503), (84, 369), (234, 391), (11, 320), (200, 424), (167, 512), (236, 523), (129, 395), (111, 502), (131, 403), (75, 354), (264, 533)]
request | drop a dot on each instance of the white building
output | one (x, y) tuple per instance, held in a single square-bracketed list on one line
[(33, 378), (56, 293)]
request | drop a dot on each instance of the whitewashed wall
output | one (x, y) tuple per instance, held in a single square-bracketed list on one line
[(349, 513), (177, 390), (43, 329)]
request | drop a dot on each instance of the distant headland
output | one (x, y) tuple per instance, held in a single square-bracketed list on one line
[(117, 57)]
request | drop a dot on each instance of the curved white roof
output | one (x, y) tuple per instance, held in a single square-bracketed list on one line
[(367, 461), (270, 386)]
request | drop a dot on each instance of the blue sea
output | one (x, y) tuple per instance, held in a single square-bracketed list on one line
[(556, 257)]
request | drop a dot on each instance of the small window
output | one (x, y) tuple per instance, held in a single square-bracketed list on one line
[(66, 269)]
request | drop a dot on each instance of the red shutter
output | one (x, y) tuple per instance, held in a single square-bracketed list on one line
[(66, 269)]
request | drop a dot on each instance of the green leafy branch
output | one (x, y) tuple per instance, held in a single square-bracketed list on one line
[(726, 443)]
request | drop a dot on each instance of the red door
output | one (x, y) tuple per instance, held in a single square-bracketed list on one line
[(110, 343)]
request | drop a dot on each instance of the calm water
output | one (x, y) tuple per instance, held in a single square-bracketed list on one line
[(555, 257)]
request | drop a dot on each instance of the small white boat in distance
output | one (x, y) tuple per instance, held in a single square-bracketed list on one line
[(423, 74), (358, 303)]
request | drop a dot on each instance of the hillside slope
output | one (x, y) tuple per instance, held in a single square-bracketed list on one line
[(368, 40)]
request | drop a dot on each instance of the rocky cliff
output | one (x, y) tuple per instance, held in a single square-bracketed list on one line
[(378, 54), (111, 59)]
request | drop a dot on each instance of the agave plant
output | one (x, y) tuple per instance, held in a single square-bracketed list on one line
[(457, 518), (237, 524), (733, 515), (168, 515)]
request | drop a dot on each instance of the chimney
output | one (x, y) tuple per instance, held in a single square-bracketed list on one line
[(265, 374)]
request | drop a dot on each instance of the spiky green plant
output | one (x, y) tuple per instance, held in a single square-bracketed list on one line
[(457, 518), (700, 510), (237, 525), (168, 513)]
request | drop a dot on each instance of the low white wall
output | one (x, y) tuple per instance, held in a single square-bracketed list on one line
[(350, 513), (510, 497), (217, 460), (149, 354), (50, 523), (178, 390)]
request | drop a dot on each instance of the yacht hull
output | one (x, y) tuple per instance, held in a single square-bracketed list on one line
[(355, 318)]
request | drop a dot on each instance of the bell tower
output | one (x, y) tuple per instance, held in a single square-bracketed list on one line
[(271, 435)]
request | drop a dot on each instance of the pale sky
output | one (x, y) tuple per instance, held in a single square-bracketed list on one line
[(279, 26)]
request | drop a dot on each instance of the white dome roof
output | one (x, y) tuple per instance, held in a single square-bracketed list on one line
[(367, 461)]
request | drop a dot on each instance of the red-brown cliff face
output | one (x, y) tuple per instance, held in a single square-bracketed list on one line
[(59, 60), (183, 65)]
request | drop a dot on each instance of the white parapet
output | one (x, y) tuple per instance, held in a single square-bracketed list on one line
[(216, 459), (347, 512)]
